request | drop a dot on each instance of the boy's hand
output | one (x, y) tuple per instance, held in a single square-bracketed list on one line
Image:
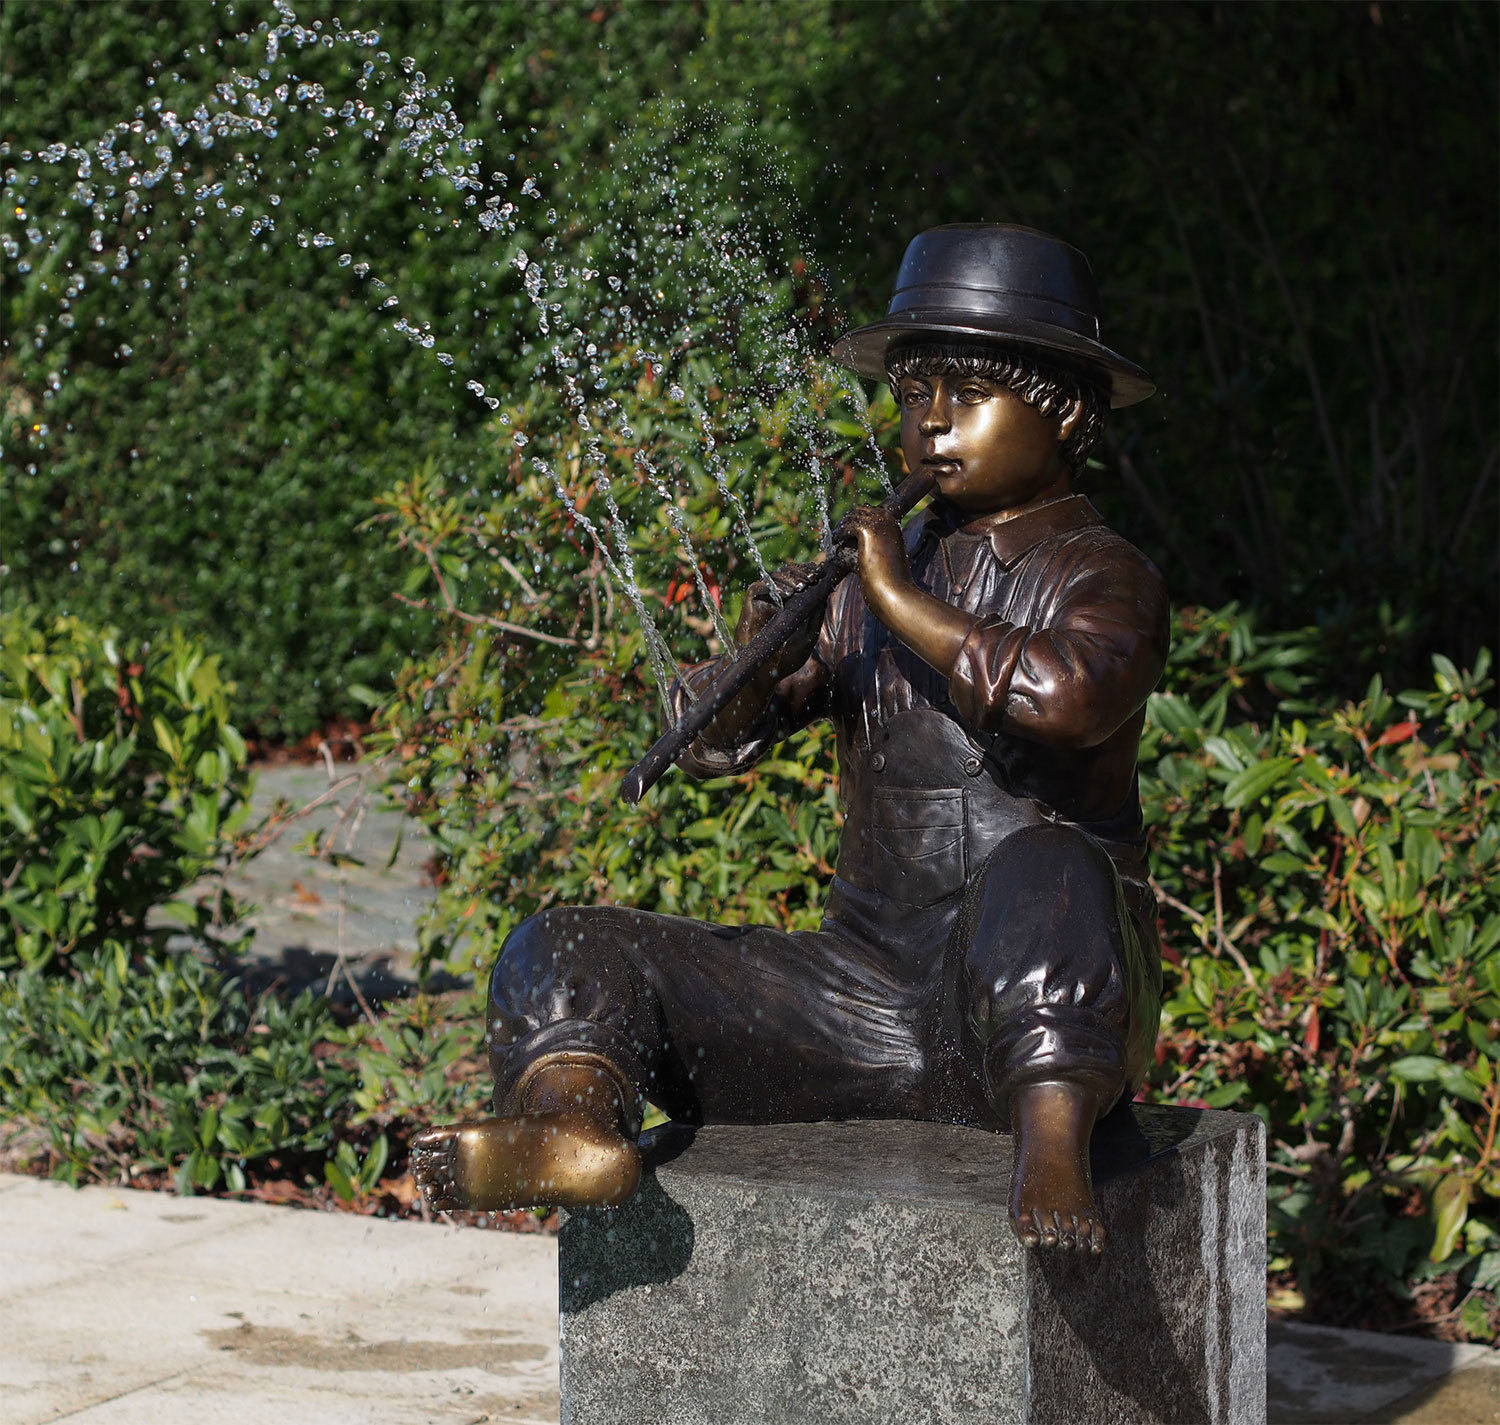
[(759, 609), (876, 535)]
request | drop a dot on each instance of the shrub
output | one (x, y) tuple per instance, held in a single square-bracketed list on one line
[(134, 1065), (1292, 231), (1332, 904), (122, 781), (213, 386)]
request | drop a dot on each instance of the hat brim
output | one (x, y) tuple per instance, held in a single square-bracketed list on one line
[(865, 349)]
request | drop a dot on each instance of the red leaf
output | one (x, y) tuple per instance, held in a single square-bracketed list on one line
[(1400, 732)]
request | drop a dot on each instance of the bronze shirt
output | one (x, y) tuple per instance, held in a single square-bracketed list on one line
[(1050, 687)]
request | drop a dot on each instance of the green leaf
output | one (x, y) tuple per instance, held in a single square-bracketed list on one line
[(374, 1164), (1450, 1208), (338, 1180), (1458, 1081), (1256, 780), (1418, 1068), (1343, 815), (166, 739)]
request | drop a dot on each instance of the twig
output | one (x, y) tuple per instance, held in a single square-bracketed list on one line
[(273, 825), (488, 621), (1198, 918), (1471, 507), (340, 961), (1427, 1321), (519, 577), (340, 964)]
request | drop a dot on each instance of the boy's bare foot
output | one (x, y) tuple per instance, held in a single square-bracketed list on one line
[(1052, 1196), (565, 1144), (532, 1160)]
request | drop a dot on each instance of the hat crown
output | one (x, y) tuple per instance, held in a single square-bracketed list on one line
[(997, 284), (995, 270)]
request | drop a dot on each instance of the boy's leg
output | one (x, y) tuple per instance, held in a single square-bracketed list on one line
[(1049, 998), (711, 1023)]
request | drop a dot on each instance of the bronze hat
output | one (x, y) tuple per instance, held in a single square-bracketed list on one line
[(997, 283)]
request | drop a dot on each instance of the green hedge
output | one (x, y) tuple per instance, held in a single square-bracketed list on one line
[(1287, 207)]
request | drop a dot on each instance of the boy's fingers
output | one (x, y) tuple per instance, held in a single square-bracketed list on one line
[(863, 517), (791, 577)]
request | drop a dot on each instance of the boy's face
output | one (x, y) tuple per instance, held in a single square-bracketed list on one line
[(989, 451)]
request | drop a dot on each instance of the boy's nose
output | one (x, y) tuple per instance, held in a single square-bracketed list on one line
[(935, 418)]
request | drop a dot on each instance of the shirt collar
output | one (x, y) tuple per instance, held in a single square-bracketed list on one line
[(1011, 538)]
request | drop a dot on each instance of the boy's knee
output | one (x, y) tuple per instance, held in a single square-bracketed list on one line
[(560, 964), (528, 959), (1053, 859)]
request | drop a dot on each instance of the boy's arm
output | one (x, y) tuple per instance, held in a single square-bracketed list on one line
[(933, 630), (1071, 683)]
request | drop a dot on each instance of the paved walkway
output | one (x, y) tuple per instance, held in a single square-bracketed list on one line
[(137, 1308), (317, 917)]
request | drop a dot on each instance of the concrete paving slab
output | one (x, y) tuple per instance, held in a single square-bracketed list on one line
[(1470, 1396), (362, 907), (48, 1248), (1320, 1376), (254, 1313), (310, 910)]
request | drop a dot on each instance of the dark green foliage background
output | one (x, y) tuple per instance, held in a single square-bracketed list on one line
[(1290, 209)]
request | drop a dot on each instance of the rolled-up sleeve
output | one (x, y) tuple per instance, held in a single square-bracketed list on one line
[(1091, 662)]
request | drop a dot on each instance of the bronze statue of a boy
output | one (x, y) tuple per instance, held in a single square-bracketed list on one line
[(988, 953)]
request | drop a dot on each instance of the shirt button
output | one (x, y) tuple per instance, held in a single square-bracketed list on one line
[(972, 765), (878, 761)]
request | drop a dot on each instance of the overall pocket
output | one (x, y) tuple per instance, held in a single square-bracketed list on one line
[(917, 843)]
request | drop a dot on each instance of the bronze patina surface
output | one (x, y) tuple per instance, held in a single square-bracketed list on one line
[(988, 952)]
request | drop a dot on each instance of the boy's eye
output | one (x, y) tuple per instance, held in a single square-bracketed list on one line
[(974, 394)]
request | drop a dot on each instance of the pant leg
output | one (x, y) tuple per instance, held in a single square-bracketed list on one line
[(713, 1023), (1049, 976)]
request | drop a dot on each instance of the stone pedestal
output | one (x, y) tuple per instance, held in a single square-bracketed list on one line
[(866, 1274)]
